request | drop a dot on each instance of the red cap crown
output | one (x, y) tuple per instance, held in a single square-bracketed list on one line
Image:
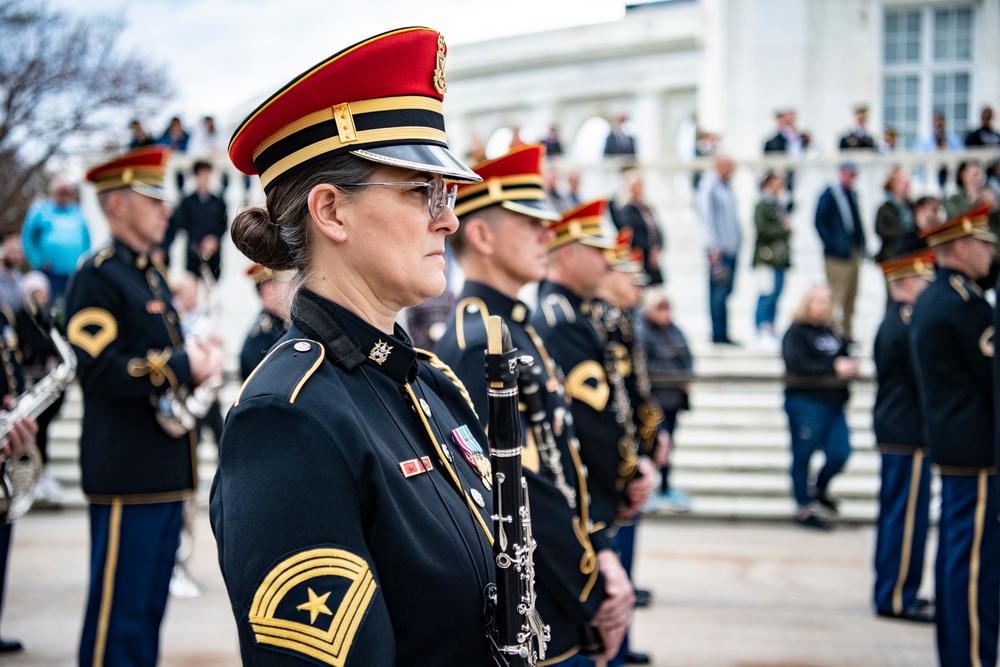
[(141, 170), (583, 224), (374, 99), (513, 180)]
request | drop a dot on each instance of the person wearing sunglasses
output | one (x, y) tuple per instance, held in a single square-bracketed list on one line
[(352, 522)]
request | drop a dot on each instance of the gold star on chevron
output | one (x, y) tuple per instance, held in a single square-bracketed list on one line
[(315, 606)]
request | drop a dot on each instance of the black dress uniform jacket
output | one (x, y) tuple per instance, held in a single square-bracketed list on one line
[(896, 416), (577, 347), (569, 585), (265, 332), (124, 330), (351, 530), (952, 338)]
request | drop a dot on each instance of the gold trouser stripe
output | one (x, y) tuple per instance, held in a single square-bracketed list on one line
[(418, 102), (977, 543), (365, 137), (911, 510), (444, 461), (108, 587)]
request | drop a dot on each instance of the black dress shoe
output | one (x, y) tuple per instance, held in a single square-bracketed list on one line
[(827, 502), (634, 658), (10, 646), (813, 521), (643, 597), (921, 603), (914, 614)]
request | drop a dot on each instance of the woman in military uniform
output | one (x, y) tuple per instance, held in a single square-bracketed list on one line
[(351, 528)]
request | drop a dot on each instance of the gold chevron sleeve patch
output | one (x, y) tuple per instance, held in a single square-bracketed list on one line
[(313, 603), (92, 330), (587, 383)]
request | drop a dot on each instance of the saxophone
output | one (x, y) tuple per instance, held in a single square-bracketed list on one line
[(519, 634), (19, 476), (178, 412)]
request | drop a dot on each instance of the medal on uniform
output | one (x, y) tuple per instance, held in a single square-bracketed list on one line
[(474, 454)]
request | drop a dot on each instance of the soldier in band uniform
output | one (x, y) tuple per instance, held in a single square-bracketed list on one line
[(351, 526), (953, 340), (618, 295), (125, 333), (620, 480), (501, 246), (904, 496), (271, 323)]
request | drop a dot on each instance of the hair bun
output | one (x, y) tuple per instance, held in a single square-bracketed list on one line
[(258, 238)]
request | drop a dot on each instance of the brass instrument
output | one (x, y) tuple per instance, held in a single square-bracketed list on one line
[(178, 412), (19, 475), (520, 636)]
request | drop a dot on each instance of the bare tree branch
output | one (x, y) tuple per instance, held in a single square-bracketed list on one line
[(63, 80)]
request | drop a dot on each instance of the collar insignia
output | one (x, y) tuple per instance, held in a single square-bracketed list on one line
[(380, 352)]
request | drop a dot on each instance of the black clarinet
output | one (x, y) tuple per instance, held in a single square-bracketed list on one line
[(520, 635), (548, 451)]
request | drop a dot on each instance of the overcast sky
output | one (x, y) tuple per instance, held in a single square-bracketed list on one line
[(225, 56)]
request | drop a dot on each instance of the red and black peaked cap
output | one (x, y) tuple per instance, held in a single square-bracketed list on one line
[(380, 100)]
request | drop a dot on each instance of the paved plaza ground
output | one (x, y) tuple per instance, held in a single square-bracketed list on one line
[(727, 595)]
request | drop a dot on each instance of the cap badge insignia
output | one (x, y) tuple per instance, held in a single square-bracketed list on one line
[(380, 352), (474, 454), (440, 83)]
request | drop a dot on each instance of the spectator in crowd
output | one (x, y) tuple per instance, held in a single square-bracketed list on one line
[(202, 215), (515, 137), (477, 148), (55, 235), (139, 137), (895, 216), (553, 147), (619, 141), (789, 141), (985, 135), (817, 374), (889, 138), (858, 137), (39, 357), (838, 222), (722, 240), (771, 256), (573, 189), (972, 189), (706, 144), (209, 144), (647, 234), (927, 213), (670, 366), (940, 139), (550, 183), (175, 137), (11, 259)]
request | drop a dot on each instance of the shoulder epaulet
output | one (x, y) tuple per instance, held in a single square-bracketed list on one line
[(97, 257), (284, 370), (473, 306), (960, 285), (556, 308), (433, 360)]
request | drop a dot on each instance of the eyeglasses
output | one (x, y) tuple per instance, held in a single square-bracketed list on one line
[(439, 193)]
